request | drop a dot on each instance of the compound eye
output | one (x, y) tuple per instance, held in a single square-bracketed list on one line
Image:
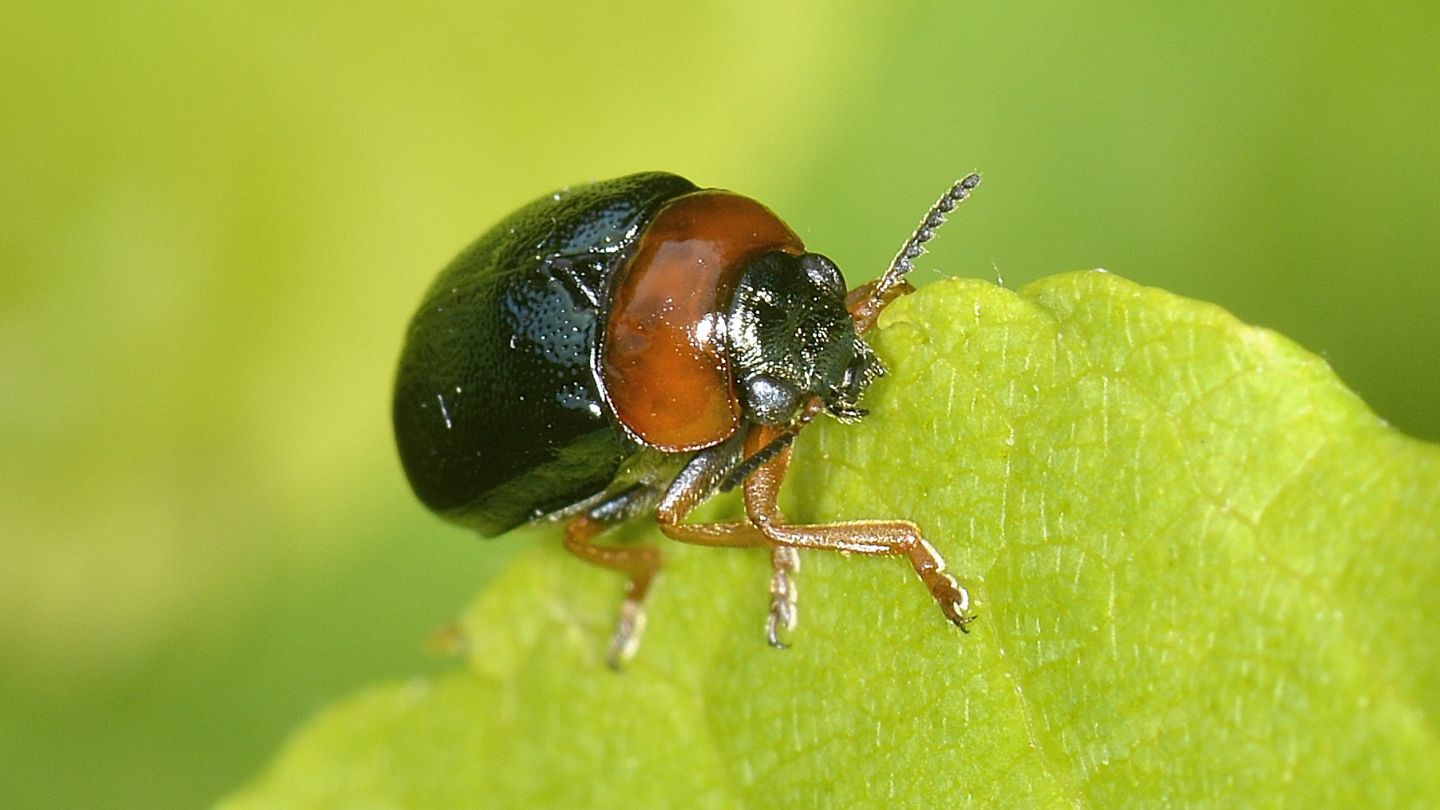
[(772, 401), (823, 273)]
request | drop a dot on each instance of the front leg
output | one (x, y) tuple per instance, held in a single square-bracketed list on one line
[(875, 537), (699, 480)]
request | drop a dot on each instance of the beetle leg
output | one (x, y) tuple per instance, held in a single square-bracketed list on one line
[(783, 595), (640, 563), (878, 537), (698, 481)]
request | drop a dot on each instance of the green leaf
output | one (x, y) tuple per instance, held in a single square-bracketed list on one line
[(1204, 572)]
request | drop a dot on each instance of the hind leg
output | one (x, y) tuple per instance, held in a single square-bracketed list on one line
[(639, 563)]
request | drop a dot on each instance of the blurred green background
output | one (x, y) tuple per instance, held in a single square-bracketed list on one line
[(218, 217)]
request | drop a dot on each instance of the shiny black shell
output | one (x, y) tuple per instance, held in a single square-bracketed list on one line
[(498, 413)]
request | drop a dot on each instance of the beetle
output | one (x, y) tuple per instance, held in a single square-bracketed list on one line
[(637, 345)]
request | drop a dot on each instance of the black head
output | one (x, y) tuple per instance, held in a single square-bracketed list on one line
[(791, 337)]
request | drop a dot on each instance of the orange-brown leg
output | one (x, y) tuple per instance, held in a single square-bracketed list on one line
[(696, 483), (879, 537), (639, 563)]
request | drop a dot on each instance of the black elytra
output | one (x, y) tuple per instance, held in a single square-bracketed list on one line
[(498, 412)]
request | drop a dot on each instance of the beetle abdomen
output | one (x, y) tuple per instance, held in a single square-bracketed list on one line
[(497, 410)]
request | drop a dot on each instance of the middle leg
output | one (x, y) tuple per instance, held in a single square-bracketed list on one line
[(698, 481), (640, 564)]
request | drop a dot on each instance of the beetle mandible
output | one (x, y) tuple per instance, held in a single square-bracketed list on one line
[(637, 345)]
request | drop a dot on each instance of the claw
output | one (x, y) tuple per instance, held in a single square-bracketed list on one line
[(954, 601), (773, 625)]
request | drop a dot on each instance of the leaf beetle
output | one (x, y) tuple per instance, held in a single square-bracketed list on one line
[(636, 345)]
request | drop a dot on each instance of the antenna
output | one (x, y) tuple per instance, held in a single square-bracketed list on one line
[(915, 247), (813, 407)]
